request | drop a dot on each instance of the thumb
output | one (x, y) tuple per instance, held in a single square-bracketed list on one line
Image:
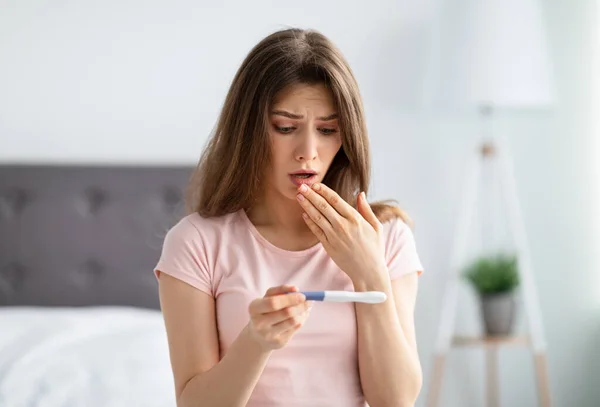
[(282, 289), (365, 210)]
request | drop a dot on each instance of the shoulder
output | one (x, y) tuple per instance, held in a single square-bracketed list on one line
[(190, 248), (195, 228), (398, 237), (193, 242), (400, 248), (396, 228), (196, 224)]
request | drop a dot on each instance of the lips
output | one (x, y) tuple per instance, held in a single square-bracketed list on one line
[(304, 172), (303, 177)]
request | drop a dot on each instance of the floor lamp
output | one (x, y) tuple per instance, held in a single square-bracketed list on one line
[(500, 64)]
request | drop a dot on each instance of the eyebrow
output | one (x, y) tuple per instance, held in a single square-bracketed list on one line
[(299, 116)]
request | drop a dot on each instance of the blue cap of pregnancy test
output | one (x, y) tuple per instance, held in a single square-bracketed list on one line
[(314, 295)]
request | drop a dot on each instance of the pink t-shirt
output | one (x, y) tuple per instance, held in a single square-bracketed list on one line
[(229, 259)]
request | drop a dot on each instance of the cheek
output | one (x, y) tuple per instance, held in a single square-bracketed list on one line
[(280, 152), (330, 147)]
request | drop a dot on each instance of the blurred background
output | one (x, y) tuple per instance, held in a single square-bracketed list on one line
[(113, 102)]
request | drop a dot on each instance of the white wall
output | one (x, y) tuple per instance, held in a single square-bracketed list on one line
[(594, 118), (136, 81), (141, 83)]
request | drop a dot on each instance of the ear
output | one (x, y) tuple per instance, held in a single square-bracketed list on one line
[(365, 210)]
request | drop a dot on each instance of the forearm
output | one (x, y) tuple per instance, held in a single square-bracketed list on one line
[(390, 370), (231, 381)]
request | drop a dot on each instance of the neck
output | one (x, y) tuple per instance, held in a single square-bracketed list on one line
[(279, 213)]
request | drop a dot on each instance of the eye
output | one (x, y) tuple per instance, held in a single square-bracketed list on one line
[(327, 131), (284, 130)]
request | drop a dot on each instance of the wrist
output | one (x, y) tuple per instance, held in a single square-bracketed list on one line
[(256, 345), (377, 281)]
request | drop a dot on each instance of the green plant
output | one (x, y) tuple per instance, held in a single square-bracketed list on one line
[(493, 274)]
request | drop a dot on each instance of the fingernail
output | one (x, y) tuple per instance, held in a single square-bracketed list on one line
[(300, 197), (303, 188), (300, 297), (316, 186)]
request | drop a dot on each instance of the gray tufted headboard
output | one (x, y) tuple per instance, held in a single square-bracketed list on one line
[(85, 235)]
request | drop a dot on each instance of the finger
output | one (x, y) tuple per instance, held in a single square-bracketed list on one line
[(317, 215), (276, 317), (275, 303), (282, 289), (342, 207), (291, 324), (286, 329), (287, 333), (365, 210), (321, 210), (317, 231)]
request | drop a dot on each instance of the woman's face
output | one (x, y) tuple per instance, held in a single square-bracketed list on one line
[(305, 137)]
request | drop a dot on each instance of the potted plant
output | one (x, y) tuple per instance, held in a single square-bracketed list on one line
[(495, 279)]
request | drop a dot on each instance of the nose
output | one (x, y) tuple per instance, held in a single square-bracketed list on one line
[(306, 150)]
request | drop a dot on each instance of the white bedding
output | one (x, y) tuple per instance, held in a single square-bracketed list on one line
[(84, 357)]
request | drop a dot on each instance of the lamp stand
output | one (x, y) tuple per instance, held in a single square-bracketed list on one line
[(497, 154)]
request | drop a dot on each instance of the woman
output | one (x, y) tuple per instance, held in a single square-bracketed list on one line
[(274, 208)]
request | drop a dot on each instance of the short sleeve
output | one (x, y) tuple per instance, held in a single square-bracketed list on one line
[(184, 257), (400, 249)]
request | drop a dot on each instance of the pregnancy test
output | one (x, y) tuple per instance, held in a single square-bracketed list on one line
[(369, 297)]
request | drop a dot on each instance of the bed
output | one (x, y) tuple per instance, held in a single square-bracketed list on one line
[(80, 323)]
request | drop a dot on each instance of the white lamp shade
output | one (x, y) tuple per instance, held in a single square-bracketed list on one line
[(493, 53)]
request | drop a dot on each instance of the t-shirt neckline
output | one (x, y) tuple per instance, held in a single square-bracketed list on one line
[(267, 244)]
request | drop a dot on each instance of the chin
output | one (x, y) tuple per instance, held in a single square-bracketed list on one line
[(290, 194), (289, 191)]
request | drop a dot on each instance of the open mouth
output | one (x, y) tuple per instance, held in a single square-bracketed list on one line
[(303, 178)]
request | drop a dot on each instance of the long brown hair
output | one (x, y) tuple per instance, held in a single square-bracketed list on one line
[(231, 169)]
